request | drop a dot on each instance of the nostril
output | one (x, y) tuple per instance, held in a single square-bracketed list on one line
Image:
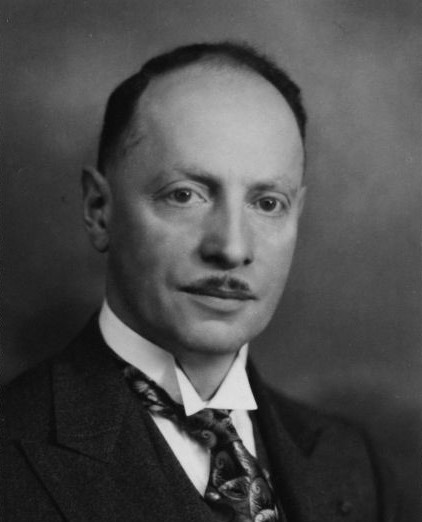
[(226, 250), (227, 242), (220, 260)]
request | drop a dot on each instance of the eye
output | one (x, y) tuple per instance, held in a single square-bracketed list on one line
[(184, 196), (181, 195), (271, 205)]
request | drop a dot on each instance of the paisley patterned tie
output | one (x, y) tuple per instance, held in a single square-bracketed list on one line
[(238, 488)]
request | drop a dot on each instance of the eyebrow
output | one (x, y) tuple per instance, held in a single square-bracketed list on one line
[(202, 176)]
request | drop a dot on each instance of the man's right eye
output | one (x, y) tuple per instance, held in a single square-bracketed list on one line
[(184, 197)]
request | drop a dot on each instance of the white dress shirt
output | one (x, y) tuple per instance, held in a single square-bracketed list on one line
[(234, 393)]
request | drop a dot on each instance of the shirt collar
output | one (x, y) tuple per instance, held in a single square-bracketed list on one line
[(234, 393)]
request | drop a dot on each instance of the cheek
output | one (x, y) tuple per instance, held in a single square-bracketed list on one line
[(277, 248), (276, 259), (154, 245)]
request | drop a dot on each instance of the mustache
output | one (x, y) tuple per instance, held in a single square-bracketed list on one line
[(221, 285)]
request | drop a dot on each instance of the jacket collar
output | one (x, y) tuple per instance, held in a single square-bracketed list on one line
[(299, 424)]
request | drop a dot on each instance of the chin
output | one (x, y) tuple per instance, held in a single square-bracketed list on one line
[(215, 339)]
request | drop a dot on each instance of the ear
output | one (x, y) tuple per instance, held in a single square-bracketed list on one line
[(96, 207), (301, 200)]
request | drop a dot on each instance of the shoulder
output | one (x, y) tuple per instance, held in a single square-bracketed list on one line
[(28, 400), (338, 446), (27, 403), (303, 420), (304, 423)]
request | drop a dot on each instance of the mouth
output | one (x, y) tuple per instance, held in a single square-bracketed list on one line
[(224, 288), (221, 293)]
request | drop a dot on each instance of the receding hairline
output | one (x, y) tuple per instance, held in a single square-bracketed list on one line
[(135, 131), (236, 56)]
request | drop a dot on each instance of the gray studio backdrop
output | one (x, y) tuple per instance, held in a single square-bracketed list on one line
[(347, 335)]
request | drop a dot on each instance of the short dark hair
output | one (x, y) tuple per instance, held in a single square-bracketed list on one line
[(123, 100)]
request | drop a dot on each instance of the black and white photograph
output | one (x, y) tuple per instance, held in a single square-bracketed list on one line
[(211, 217)]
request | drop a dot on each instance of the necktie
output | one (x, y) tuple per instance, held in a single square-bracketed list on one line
[(238, 488)]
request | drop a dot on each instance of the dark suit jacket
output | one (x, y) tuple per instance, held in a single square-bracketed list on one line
[(79, 447)]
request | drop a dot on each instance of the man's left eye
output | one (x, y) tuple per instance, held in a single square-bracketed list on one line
[(270, 205), (182, 195)]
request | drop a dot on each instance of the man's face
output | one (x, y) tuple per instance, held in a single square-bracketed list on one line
[(204, 211)]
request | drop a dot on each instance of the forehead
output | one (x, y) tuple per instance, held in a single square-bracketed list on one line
[(212, 81), (223, 117)]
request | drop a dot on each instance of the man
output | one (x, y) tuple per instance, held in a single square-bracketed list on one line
[(196, 200)]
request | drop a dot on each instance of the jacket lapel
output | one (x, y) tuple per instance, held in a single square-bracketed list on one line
[(308, 475), (289, 464), (103, 464)]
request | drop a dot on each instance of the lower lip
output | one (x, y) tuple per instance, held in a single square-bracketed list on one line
[(218, 304)]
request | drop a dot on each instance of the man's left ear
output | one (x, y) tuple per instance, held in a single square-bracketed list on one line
[(96, 207), (301, 199)]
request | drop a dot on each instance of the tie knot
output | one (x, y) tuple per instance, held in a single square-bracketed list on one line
[(211, 427)]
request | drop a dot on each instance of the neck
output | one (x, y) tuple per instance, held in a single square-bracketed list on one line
[(206, 372)]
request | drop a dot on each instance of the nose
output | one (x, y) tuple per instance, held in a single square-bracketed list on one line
[(227, 241)]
